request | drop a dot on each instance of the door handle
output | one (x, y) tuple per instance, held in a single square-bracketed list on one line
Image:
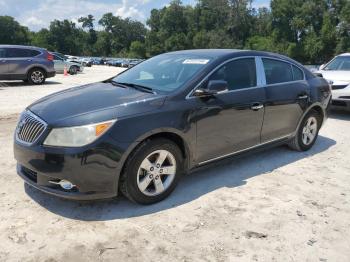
[(256, 106), (303, 97)]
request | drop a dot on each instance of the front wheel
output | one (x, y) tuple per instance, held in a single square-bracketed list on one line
[(152, 171), (307, 133)]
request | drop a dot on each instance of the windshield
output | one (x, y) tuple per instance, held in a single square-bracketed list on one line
[(340, 63), (164, 73)]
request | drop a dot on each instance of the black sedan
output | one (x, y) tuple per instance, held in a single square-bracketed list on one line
[(140, 131)]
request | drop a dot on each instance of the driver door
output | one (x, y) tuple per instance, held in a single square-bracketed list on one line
[(230, 121)]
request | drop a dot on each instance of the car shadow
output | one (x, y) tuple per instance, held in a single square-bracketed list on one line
[(232, 173), (340, 114), (21, 83)]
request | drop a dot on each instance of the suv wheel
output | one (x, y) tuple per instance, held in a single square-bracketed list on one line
[(36, 76), (73, 70), (307, 133), (152, 171)]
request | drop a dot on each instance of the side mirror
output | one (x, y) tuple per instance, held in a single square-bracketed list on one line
[(214, 87), (321, 67)]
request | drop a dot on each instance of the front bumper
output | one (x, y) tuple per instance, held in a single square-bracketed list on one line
[(94, 171), (341, 98)]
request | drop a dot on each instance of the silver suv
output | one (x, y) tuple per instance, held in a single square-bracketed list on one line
[(30, 64)]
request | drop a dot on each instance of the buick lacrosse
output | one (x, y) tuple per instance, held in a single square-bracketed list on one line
[(138, 132)]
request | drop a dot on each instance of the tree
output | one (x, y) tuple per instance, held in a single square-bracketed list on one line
[(11, 32), (137, 49)]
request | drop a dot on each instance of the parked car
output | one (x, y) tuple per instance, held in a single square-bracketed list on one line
[(134, 62), (110, 62), (86, 62), (125, 63), (27, 63), (337, 73), (96, 61), (139, 131), (60, 63)]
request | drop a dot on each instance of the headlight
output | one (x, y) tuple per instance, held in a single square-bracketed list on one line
[(77, 136)]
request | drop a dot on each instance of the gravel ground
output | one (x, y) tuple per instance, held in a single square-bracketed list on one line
[(277, 205)]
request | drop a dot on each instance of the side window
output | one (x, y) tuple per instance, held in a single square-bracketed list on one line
[(2, 53), (239, 73), (18, 52), (297, 74), (277, 71), (34, 53)]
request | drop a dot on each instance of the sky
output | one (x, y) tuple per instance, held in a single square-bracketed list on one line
[(37, 14)]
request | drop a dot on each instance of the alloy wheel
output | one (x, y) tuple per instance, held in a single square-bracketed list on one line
[(156, 173), (309, 131), (37, 77)]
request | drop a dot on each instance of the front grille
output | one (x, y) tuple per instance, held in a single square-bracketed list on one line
[(29, 128), (338, 87), (32, 175)]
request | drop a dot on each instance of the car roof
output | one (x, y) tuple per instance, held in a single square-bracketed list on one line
[(22, 46), (217, 53), (345, 54)]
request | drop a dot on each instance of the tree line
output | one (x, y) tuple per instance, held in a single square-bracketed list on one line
[(310, 31)]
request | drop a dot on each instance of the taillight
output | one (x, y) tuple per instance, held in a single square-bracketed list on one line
[(49, 57)]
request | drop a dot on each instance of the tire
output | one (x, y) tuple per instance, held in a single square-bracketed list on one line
[(151, 186), (73, 70), (36, 76), (302, 141)]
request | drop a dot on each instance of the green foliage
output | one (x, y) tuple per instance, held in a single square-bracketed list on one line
[(311, 31), (11, 32)]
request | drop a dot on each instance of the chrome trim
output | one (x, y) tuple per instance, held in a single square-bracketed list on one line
[(28, 129), (260, 70), (257, 107), (260, 74), (285, 61), (242, 150)]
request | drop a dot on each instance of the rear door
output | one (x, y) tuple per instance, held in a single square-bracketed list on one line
[(287, 96), (20, 60), (230, 121), (3, 64)]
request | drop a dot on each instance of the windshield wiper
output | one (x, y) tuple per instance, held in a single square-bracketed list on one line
[(135, 86)]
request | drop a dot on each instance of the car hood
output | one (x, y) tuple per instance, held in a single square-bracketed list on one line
[(336, 76), (94, 103)]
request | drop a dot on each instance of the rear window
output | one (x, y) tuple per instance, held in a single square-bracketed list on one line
[(20, 52), (277, 71), (297, 74)]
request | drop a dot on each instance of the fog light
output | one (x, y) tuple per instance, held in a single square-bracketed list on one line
[(65, 184)]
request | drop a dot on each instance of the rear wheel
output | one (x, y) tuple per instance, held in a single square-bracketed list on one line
[(36, 76), (152, 171), (307, 133), (73, 70)]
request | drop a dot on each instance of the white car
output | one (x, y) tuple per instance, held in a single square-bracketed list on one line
[(337, 73)]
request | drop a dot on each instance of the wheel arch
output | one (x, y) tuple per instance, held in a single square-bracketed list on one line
[(170, 134), (36, 67), (317, 107)]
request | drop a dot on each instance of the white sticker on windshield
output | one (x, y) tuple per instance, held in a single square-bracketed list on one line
[(196, 61)]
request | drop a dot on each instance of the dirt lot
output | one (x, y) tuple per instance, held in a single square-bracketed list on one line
[(277, 205)]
